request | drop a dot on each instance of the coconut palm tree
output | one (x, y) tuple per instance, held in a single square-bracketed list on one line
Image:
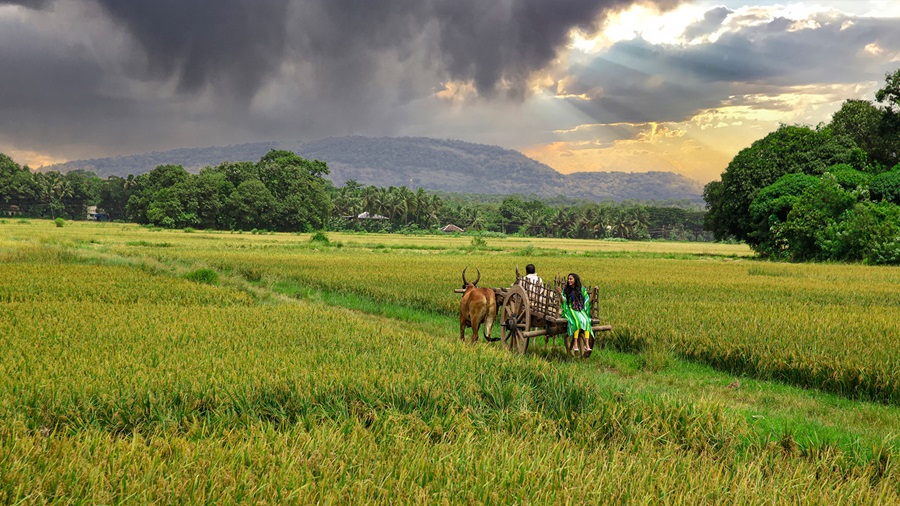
[(534, 223), (475, 219), (561, 222)]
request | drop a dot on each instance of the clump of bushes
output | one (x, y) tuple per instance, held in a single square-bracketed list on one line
[(320, 237), (207, 276), (59, 222)]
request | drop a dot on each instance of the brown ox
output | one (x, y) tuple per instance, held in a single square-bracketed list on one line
[(478, 306)]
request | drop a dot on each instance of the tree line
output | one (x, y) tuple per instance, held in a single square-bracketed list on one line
[(826, 193), (282, 192), (285, 192), (405, 210)]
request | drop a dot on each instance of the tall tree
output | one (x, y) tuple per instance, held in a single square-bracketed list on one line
[(85, 191), (869, 127), (17, 186), (251, 205), (790, 149)]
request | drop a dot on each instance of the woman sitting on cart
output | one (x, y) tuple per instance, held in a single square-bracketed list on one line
[(576, 308)]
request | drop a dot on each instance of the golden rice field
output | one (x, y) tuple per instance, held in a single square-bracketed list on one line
[(124, 381)]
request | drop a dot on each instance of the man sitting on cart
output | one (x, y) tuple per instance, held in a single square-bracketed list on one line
[(534, 285), (531, 276), (576, 309)]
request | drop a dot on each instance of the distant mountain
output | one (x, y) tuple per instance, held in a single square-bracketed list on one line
[(433, 164), (192, 159)]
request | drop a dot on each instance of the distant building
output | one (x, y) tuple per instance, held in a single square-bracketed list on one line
[(451, 229), (96, 214), (366, 216)]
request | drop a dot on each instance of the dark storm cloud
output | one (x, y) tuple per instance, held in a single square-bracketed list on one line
[(233, 41), (635, 81), (242, 41), (322, 67), (49, 88)]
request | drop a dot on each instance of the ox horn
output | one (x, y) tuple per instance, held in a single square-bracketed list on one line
[(464, 276), (478, 278)]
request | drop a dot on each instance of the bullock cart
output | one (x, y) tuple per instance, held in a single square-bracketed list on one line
[(529, 310)]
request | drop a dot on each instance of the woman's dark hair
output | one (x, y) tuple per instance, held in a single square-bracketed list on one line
[(573, 293)]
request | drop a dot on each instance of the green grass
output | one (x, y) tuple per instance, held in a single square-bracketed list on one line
[(436, 321)]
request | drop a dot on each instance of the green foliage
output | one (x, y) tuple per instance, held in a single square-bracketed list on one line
[(803, 217), (827, 202), (414, 212), (869, 232), (282, 192), (871, 128), (319, 237), (251, 205), (205, 276), (848, 177), (890, 93), (817, 208), (790, 149), (50, 194), (886, 187), (527, 251), (772, 206), (59, 222)]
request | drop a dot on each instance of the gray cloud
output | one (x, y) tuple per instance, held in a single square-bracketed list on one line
[(235, 42), (635, 81), (242, 42), (31, 4), (710, 23)]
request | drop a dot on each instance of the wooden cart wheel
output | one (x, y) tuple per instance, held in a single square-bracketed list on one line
[(516, 317)]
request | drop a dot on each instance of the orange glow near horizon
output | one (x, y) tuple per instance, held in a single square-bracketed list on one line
[(684, 156), (33, 159)]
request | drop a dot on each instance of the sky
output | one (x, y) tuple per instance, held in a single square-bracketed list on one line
[(581, 85)]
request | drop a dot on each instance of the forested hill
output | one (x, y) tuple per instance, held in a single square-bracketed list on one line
[(433, 164)]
